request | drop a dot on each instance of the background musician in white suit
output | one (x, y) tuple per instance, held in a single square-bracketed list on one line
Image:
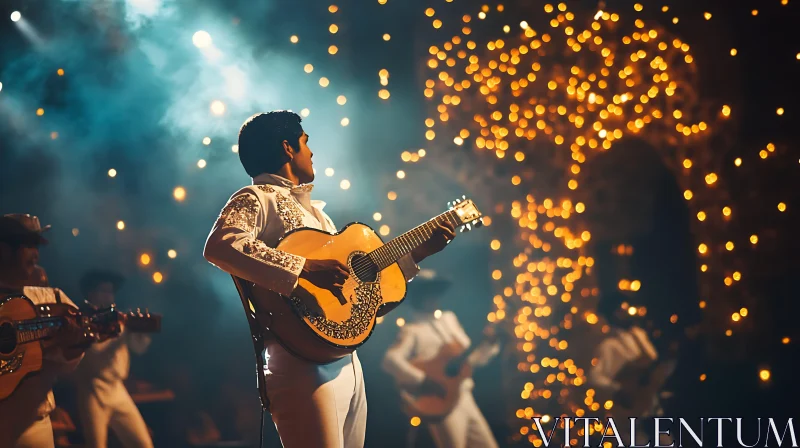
[(422, 338), (103, 400), (629, 371)]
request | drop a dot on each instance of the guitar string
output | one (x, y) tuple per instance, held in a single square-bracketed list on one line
[(364, 265)]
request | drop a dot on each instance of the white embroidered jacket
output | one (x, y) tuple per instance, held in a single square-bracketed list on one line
[(421, 340), (243, 240)]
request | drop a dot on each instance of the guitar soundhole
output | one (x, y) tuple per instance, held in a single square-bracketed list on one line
[(8, 338), (364, 268)]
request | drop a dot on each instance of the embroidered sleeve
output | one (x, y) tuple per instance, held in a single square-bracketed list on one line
[(260, 251), (234, 245), (241, 213)]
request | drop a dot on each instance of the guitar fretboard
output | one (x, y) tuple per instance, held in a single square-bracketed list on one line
[(35, 329), (402, 245)]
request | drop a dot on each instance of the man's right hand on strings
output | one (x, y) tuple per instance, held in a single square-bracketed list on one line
[(327, 274)]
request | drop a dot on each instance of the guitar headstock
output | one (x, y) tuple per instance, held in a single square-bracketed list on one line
[(142, 322), (467, 212)]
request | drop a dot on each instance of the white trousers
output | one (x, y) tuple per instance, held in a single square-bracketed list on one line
[(102, 405), (316, 406), (38, 435), (464, 427)]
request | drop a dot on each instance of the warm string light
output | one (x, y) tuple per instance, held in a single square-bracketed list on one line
[(542, 84)]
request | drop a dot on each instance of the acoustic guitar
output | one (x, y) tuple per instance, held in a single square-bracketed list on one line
[(449, 368), (26, 330), (641, 384), (321, 325)]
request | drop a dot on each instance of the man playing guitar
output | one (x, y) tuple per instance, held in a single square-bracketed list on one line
[(312, 405), (629, 372), (25, 414), (432, 334), (103, 400)]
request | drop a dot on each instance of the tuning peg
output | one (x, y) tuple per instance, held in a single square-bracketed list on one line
[(464, 197)]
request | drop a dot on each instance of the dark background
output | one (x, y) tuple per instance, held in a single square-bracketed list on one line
[(132, 99)]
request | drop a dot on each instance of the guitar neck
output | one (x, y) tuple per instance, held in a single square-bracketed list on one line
[(458, 362), (37, 329), (464, 357), (402, 245)]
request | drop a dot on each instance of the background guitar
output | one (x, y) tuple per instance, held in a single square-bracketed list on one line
[(641, 385), (27, 329), (449, 368)]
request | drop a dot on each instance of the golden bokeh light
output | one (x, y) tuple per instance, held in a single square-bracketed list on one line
[(179, 193), (578, 87)]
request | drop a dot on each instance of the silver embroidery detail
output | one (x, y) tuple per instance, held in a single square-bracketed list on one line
[(288, 210), (362, 313), (260, 251), (241, 213)]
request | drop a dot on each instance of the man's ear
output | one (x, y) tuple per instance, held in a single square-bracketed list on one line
[(288, 150)]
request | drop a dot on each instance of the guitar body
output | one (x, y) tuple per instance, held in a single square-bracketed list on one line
[(434, 407), (17, 360), (315, 324), (642, 384), (27, 329)]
